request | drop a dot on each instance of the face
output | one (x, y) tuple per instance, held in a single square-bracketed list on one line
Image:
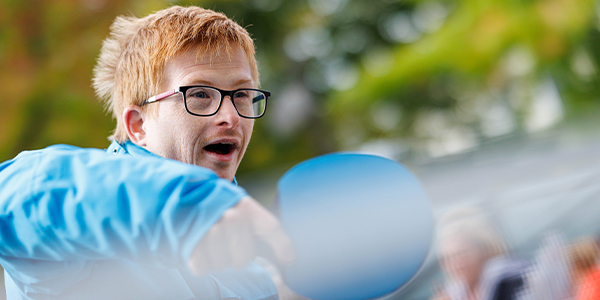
[(461, 259), (217, 142)]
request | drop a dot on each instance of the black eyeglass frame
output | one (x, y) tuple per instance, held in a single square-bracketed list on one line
[(230, 93)]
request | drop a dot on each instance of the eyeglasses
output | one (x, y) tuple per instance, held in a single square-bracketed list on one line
[(205, 101)]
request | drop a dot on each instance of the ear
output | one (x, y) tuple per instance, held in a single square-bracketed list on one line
[(133, 118)]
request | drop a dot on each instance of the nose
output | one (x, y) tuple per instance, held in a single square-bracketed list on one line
[(227, 114)]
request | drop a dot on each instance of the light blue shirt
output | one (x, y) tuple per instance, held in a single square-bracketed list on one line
[(118, 224)]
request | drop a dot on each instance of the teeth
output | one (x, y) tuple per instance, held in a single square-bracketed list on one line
[(225, 143)]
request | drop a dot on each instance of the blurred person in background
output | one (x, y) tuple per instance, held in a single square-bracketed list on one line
[(158, 215), (549, 275), (585, 269), (474, 259)]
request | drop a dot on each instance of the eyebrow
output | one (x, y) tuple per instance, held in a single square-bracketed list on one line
[(243, 81)]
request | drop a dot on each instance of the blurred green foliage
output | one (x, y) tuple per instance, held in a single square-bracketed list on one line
[(435, 77)]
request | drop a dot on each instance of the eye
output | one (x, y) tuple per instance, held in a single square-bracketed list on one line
[(240, 95), (199, 94)]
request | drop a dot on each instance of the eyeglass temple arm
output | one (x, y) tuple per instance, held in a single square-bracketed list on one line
[(258, 98), (162, 96)]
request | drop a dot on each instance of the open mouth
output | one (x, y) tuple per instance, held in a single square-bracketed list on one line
[(220, 148)]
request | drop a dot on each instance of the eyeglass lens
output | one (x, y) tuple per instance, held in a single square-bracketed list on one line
[(205, 101)]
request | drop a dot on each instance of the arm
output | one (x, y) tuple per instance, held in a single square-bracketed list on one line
[(63, 203)]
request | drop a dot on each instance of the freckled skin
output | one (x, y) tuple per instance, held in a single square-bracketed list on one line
[(175, 134)]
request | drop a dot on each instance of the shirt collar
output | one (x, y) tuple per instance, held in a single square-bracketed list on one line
[(129, 148), (134, 150)]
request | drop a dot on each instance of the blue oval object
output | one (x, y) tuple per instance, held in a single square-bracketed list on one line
[(361, 226)]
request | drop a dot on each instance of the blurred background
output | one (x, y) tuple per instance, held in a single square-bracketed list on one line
[(409, 79), (491, 103)]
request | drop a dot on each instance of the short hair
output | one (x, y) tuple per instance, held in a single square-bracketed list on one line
[(471, 224), (131, 63)]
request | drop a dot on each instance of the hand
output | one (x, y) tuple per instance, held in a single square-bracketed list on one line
[(232, 241)]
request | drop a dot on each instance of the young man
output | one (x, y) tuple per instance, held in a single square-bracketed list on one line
[(158, 215)]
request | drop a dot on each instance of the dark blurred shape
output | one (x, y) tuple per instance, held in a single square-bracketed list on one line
[(549, 275)]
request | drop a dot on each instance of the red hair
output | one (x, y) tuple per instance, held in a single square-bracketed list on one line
[(132, 60)]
